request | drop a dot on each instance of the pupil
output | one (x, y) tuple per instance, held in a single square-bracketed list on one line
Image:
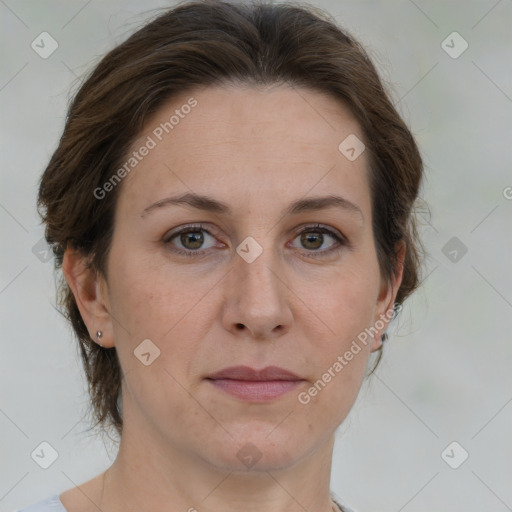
[(196, 237), (311, 238)]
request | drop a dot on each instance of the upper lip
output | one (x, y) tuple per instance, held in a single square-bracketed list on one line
[(251, 374)]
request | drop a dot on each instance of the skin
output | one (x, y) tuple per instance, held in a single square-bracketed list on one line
[(257, 150)]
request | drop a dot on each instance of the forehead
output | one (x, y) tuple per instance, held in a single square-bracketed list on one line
[(248, 139)]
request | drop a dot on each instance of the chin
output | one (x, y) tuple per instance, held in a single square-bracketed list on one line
[(253, 449)]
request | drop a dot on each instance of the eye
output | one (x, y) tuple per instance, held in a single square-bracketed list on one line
[(191, 238), (313, 237)]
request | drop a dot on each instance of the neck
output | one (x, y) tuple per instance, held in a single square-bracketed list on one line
[(151, 475)]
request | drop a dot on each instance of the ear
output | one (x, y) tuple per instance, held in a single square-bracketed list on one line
[(91, 296), (387, 295)]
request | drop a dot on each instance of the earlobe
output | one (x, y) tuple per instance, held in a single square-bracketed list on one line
[(387, 295), (90, 292)]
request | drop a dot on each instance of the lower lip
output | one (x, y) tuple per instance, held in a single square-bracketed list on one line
[(256, 390)]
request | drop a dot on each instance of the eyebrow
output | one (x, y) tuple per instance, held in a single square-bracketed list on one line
[(208, 204)]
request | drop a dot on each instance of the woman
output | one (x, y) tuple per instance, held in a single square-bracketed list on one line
[(231, 205)]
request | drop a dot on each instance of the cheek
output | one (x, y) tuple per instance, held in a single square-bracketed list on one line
[(344, 299), (145, 295), (339, 360), (152, 302), (345, 304)]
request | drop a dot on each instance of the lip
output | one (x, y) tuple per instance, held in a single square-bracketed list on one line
[(250, 374), (254, 385)]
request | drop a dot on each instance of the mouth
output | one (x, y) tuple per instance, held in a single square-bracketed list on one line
[(253, 385)]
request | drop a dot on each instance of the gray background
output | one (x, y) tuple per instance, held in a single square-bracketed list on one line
[(447, 373)]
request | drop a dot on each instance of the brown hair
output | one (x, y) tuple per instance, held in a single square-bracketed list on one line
[(201, 43)]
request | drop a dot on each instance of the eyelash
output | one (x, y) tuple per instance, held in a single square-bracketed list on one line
[(316, 228)]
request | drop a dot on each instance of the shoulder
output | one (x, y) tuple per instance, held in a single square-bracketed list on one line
[(51, 504)]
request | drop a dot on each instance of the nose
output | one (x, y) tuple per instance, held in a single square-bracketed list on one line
[(257, 298)]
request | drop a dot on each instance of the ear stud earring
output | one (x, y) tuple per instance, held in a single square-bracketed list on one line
[(99, 334)]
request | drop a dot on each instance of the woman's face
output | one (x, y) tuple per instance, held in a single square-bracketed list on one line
[(255, 285)]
